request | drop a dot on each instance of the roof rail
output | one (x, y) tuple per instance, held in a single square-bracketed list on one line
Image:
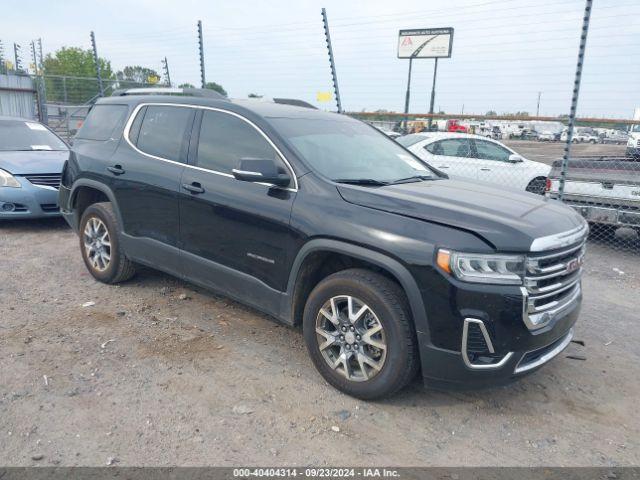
[(190, 92), (294, 101)]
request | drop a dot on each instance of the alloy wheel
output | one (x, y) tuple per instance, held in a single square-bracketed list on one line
[(97, 244), (351, 338)]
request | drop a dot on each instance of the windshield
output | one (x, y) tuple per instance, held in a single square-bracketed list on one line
[(25, 135), (346, 149), (635, 128)]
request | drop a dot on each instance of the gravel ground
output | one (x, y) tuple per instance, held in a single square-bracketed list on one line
[(547, 152), (157, 372)]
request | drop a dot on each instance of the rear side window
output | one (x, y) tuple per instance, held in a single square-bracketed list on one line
[(226, 139), (163, 131), (102, 122), (454, 147)]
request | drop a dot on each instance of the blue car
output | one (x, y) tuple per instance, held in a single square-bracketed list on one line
[(31, 161)]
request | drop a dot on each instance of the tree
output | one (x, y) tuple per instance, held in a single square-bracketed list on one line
[(77, 62), (255, 95), (491, 113), (131, 76), (214, 86), (186, 85)]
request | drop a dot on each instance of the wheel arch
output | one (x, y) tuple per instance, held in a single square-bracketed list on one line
[(307, 271), (86, 192)]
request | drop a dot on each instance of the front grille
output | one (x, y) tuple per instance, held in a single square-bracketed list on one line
[(552, 281), (45, 179)]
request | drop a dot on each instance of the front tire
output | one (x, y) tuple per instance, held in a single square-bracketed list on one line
[(359, 334), (100, 245)]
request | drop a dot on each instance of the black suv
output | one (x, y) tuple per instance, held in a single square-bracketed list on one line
[(321, 220)]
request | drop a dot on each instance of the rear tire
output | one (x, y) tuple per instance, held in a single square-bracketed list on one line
[(100, 245), (538, 186), (359, 363)]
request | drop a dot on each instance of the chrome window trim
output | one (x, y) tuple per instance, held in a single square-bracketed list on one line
[(487, 339), (559, 240), (133, 115), (546, 357)]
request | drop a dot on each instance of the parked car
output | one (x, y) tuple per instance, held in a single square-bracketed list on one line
[(320, 220), (493, 132), (616, 137), (547, 136), (454, 125), (581, 135), (478, 158), (633, 142), (31, 159), (604, 190)]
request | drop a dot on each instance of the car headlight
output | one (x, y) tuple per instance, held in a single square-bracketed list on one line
[(483, 268), (630, 142), (8, 180)]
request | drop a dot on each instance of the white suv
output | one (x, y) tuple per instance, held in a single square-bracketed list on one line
[(478, 158)]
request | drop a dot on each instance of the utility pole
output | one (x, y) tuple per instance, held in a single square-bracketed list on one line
[(433, 91), (97, 63), (165, 68), (407, 96), (201, 48), (538, 107), (332, 62), (575, 96), (16, 54)]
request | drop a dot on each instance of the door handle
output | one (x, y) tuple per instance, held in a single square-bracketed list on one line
[(194, 187), (443, 166), (116, 169), (485, 169)]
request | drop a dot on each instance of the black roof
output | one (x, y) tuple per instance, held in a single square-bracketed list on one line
[(260, 108)]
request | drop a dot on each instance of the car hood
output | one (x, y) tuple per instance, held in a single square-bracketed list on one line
[(34, 161), (507, 219)]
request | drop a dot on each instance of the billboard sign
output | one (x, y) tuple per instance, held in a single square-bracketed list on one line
[(425, 43)]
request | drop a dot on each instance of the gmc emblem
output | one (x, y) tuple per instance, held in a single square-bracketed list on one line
[(573, 265)]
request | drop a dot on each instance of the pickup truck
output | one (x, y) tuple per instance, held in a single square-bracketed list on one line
[(604, 190)]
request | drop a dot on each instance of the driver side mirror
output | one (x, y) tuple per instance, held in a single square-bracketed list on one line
[(261, 170), (515, 158)]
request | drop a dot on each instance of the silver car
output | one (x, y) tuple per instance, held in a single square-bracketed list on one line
[(31, 161)]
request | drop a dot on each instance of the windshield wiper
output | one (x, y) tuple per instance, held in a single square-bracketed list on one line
[(413, 178), (361, 181)]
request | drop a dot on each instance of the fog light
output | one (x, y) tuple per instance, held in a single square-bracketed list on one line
[(8, 207)]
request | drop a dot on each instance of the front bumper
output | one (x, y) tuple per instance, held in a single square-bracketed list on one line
[(448, 369), (29, 201), (483, 335)]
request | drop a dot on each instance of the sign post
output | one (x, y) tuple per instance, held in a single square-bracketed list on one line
[(424, 43)]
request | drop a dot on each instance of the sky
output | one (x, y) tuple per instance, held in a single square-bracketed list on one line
[(505, 52)]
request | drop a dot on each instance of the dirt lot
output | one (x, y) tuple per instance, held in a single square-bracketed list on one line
[(157, 372), (547, 152)]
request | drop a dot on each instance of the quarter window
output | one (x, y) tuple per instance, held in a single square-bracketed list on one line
[(226, 139), (102, 122), (163, 131)]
